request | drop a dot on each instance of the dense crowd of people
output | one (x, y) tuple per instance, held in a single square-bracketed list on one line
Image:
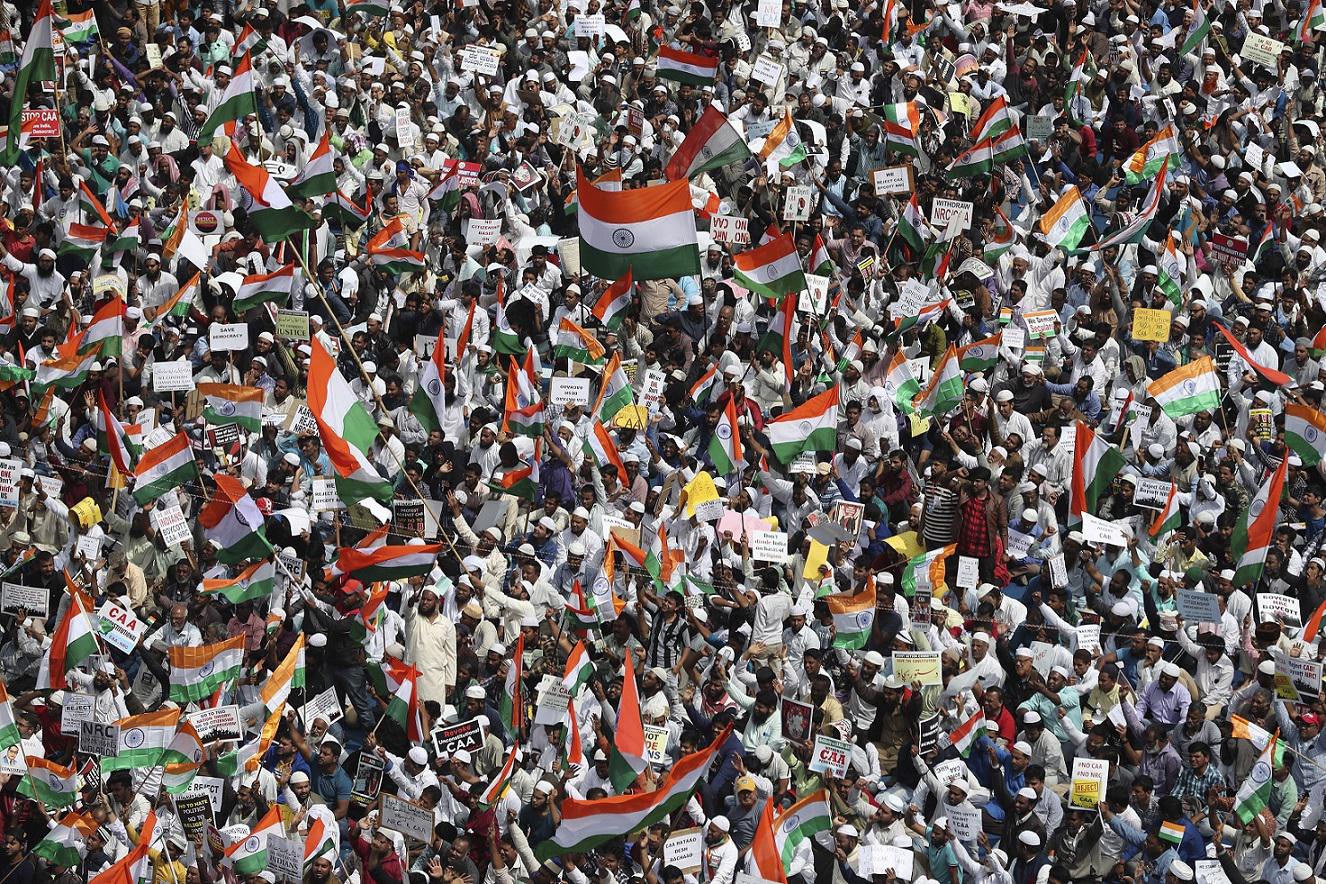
[(798, 441)]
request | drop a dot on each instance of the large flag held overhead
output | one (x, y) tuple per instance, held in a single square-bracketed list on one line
[(853, 617), (1095, 464), (143, 740), (36, 66), (650, 230), (237, 102), (318, 177), (1270, 375), (587, 823), (1255, 528), (614, 390), (74, 640), (686, 67), (627, 760), (1187, 389), (802, 821), (273, 215), (232, 518), (783, 144), (1305, 432), (346, 428), (163, 468), (257, 581), (772, 269), (196, 673), (1067, 221), (711, 144), (232, 404), (1162, 150), (387, 562), (811, 426), (51, 784)]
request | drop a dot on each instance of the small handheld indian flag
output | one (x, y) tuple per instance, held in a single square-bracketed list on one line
[(801, 822), (52, 784), (1067, 221), (1255, 528), (628, 750), (1255, 793), (853, 617), (725, 449), (66, 842), (610, 309), (811, 426), (1305, 432), (249, 856), (686, 67), (232, 518), (257, 581), (163, 468), (1169, 517), (232, 404)]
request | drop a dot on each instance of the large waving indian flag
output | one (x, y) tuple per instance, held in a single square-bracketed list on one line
[(318, 176), (853, 617), (105, 333), (233, 520), (900, 383), (598, 443), (74, 640), (1067, 221), (610, 309), (650, 230), (265, 288), (429, 401), (1255, 528), (273, 215), (783, 144), (232, 404), (143, 740), (811, 426), (945, 389), (627, 760), (196, 673), (1095, 464), (387, 562), (65, 842), (237, 102), (800, 822), (587, 823), (763, 859), (163, 468), (49, 783), (1188, 389), (1305, 432), (772, 269), (346, 428), (1146, 162), (36, 65), (711, 144), (257, 581), (182, 759)]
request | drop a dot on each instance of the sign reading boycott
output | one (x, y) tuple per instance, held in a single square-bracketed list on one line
[(451, 738)]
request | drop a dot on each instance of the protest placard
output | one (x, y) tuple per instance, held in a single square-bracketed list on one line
[(830, 756), (922, 666), (1088, 782), (35, 600), (229, 336), (121, 628), (410, 819)]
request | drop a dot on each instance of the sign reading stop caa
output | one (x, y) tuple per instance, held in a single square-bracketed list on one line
[(47, 123)]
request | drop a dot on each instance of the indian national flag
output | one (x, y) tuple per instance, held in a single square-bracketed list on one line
[(429, 401), (250, 41), (232, 404), (255, 582), (322, 839), (179, 303), (925, 573), (1162, 149), (404, 706), (1255, 527), (387, 252), (196, 673), (610, 309), (598, 443), (900, 383), (853, 616), (265, 288), (628, 751), (1270, 375), (447, 189), (707, 387), (610, 180), (802, 821), (1313, 20), (965, 735), (1169, 516), (686, 67), (587, 823), (237, 102), (783, 144), (143, 740), (136, 865), (346, 428), (945, 389), (811, 426), (650, 230), (163, 468), (902, 128), (502, 782), (725, 450), (980, 355), (273, 215), (1067, 221), (512, 702), (979, 159), (127, 240), (66, 370), (36, 66), (105, 333), (772, 269), (578, 345), (318, 176), (912, 225), (233, 520), (1198, 28), (115, 438), (994, 120), (1170, 280), (1255, 793), (66, 842), (249, 856), (74, 640), (9, 735), (579, 669), (80, 27), (249, 755), (711, 144), (182, 759), (820, 262), (614, 391), (1305, 432), (781, 333), (1188, 389), (344, 209), (387, 562), (763, 857), (83, 240), (51, 784), (285, 677), (1095, 464)]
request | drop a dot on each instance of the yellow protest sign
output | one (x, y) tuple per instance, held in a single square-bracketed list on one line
[(906, 544), (818, 555), (88, 512), (631, 417), (961, 104), (1151, 325), (700, 490), (1088, 782)]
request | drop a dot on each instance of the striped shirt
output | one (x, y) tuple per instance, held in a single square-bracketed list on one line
[(941, 513)]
